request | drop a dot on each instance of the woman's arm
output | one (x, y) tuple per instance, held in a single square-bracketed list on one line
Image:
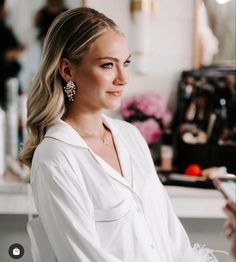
[(66, 212)]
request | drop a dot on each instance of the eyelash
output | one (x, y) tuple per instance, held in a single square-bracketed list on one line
[(110, 65), (107, 66), (127, 62)]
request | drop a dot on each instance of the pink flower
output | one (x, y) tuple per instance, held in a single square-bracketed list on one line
[(150, 130), (151, 104), (149, 113)]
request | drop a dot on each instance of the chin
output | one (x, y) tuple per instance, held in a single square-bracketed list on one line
[(112, 106)]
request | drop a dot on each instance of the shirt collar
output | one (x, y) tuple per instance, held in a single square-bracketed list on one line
[(64, 132)]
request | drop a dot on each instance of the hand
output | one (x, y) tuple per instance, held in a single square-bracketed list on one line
[(230, 225)]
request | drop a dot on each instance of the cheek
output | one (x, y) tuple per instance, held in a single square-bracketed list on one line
[(100, 78), (97, 78), (105, 76), (127, 74)]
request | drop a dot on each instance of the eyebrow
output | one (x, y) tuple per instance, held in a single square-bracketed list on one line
[(112, 58)]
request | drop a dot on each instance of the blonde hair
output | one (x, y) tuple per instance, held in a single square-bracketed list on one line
[(70, 36)]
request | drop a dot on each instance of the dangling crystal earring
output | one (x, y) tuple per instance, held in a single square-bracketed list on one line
[(70, 90)]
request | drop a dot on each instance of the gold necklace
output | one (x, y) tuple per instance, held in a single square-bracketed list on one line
[(103, 138)]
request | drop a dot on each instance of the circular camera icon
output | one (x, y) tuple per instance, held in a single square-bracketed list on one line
[(16, 251)]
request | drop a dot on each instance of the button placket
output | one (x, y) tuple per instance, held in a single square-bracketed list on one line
[(152, 245), (135, 201)]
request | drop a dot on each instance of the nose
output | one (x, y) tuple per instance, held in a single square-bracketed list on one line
[(121, 77)]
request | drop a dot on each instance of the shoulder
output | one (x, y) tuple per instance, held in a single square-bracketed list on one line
[(49, 150), (60, 146), (53, 158)]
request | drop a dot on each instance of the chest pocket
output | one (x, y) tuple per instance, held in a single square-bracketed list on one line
[(112, 214)]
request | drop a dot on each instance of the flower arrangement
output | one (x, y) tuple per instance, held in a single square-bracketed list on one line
[(149, 113)]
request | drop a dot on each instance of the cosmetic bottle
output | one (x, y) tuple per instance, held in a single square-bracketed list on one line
[(12, 85), (12, 117), (23, 115), (12, 131), (2, 143)]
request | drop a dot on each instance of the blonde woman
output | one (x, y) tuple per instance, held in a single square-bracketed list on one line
[(94, 183)]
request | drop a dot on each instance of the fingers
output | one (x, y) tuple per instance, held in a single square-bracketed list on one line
[(231, 216), (233, 245), (230, 225), (229, 230), (232, 206)]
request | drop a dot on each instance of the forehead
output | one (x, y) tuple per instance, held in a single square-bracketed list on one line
[(110, 44)]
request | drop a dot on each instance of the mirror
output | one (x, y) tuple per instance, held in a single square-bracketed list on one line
[(214, 33)]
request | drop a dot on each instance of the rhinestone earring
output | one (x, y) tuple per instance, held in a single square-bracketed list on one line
[(70, 90)]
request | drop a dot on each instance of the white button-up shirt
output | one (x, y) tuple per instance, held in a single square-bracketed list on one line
[(91, 213)]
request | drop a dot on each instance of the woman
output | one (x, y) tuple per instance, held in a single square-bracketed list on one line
[(93, 178)]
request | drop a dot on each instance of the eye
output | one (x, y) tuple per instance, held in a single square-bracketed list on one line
[(127, 62), (107, 66)]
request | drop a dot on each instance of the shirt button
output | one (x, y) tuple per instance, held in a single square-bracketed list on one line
[(138, 209)]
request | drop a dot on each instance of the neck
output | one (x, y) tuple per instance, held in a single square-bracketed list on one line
[(86, 121)]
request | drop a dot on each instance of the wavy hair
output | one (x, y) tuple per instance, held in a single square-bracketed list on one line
[(70, 36)]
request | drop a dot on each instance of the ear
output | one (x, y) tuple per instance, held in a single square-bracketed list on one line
[(65, 69)]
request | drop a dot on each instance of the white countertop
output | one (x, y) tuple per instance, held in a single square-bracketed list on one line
[(196, 202), (16, 199)]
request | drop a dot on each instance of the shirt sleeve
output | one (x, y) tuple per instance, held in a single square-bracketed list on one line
[(66, 212), (182, 249)]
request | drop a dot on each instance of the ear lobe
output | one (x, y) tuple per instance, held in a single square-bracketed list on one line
[(65, 69)]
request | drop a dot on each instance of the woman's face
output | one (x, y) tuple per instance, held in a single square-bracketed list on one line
[(101, 76)]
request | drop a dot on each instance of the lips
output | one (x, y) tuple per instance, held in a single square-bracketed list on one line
[(115, 93)]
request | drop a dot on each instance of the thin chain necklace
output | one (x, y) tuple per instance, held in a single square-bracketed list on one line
[(103, 138)]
